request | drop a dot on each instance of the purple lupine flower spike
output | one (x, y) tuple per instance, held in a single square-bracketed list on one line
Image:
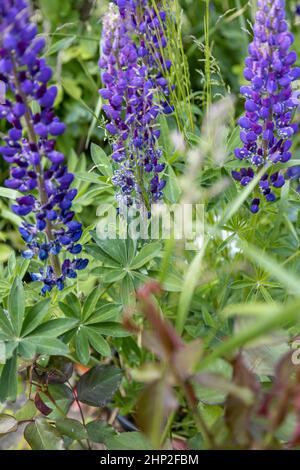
[(137, 92), (37, 170), (271, 101)]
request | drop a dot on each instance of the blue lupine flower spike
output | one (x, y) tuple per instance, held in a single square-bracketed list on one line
[(36, 169), (137, 92), (271, 101)]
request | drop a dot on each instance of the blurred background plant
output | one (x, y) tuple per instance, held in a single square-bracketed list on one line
[(234, 302)]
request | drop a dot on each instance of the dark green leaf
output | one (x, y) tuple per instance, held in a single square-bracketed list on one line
[(97, 386)]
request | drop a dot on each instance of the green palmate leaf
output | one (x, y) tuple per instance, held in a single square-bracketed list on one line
[(115, 249), (99, 431), (101, 160), (72, 301), (5, 324), (22, 267), (97, 341), (105, 312), (35, 316), (82, 345), (4, 289), (7, 349), (67, 310), (113, 329), (99, 255), (128, 441), (242, 284), (130, 249), (9, 379), (110, 275), (54, 328), (16, 305), (46, 345), (7, 424), (71, 428), (147, 253), (27, 349), (127, 291), (42, 436), (90, 304), (97, 386), (289, 280)]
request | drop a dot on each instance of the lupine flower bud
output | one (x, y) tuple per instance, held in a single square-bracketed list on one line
[(267, 127), (137, 92), (36, 169)]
